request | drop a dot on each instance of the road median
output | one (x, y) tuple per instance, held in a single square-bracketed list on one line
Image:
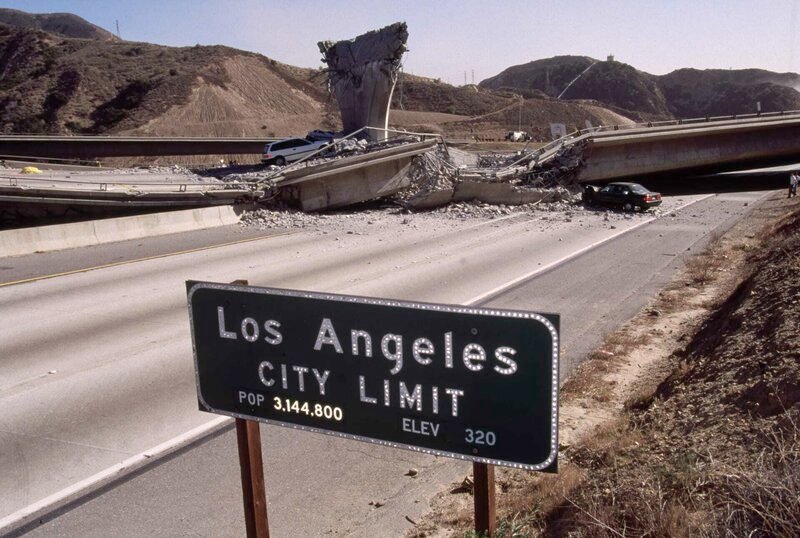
[(23, 241)]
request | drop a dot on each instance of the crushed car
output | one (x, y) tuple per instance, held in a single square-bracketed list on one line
[(621, 195)]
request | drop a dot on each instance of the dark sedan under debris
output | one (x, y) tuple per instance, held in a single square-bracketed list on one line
[(625, 196)]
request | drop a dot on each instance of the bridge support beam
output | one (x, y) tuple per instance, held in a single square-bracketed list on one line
[(708, 150), (94, 147), (349, 181)]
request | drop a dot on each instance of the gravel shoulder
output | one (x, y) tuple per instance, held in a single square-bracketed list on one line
[(682, 422)]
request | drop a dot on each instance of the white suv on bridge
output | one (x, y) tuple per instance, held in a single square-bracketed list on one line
[(290, 149)]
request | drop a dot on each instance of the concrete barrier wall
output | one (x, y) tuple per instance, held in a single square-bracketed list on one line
[(96, 232)]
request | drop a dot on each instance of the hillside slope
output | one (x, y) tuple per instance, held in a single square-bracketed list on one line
[(695, 93), (61, 24), (61, 74), (54, 84), (611, 83), (684, 93)]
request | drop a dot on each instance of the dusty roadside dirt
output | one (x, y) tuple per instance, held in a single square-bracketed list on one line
[(682, 422)]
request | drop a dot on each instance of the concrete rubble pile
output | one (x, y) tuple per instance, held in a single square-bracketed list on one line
[(562, 170), (442, 175), (172, 170), (278, 215), (430, 173), (445, 175), (527, 168), (495, 179)]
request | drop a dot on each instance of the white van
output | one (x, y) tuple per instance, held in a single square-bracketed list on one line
[(290, 149)]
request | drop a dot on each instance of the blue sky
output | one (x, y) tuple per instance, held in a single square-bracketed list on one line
[(447, 38)]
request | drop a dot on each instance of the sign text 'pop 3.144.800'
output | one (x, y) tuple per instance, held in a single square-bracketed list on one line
[(472, 383)]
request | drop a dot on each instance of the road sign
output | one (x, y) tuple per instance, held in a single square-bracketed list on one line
[(478, 384)]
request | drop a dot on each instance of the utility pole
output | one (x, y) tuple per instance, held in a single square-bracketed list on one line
[(519, 119), (116, 21)]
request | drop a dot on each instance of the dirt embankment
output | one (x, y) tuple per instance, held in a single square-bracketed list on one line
[(254, 100), (684, 93), (715, 450), (686, 422), (50, 83)]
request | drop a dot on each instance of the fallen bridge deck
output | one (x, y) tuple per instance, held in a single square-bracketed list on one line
[(82, 190)]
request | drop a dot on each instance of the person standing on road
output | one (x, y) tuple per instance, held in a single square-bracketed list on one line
[(793, 179)]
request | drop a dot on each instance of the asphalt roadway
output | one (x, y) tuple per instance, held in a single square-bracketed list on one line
[(81, 392)]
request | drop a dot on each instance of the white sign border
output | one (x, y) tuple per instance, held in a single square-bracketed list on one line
[(396, 303)]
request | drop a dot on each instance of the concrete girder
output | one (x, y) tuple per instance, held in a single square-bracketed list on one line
[(93, 147), (356, 179), (697, 150)]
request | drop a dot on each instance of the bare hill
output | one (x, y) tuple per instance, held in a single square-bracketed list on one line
[(549, 75), (62, 24), (419, 93), (580, 77), (253, 97), (51, 83), (54, 84), (713, 92), (61, 74), (684, 93), (474, 111)]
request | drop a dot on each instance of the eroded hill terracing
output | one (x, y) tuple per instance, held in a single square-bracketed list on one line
[(684, 93), (51, 83)]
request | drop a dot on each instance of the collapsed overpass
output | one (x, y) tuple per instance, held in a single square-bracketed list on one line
[(312, 184), (706, 145), (95, 147)]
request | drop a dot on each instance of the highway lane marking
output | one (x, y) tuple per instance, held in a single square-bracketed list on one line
[(198, 249), (63, 497), (144, 259), (486, 296), (120, 470)]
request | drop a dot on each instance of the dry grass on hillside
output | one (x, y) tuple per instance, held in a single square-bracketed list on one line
[(702, 442), (55, 84), (715, 449)]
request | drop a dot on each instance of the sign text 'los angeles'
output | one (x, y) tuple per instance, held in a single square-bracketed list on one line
[(472, 383)]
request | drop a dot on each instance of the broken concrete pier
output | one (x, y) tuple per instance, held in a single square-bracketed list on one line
[(362, 73)]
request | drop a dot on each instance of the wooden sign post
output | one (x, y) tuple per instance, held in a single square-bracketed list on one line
[(483, 492), (254, 494)]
